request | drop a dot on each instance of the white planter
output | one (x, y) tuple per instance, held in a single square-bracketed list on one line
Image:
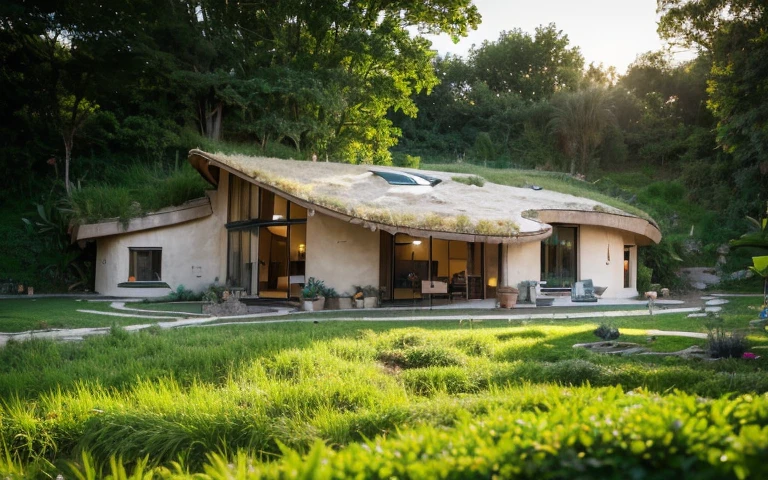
[(359, 303), (313, 305), (371, 302)]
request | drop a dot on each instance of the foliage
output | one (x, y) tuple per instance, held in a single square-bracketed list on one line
[(644, 274), (732, 32), (66, 263), (290, 386), (470, 180), (313, 289), (724, 344), (581, 120), (214, 293), (607, 332), (757, 237), (135, 191), (182, 294), (532, 66)]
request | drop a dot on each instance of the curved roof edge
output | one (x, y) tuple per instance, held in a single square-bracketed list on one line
[(647, 231), (191, 210)]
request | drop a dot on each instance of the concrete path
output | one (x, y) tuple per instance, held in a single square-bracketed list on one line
[(121, 306), (673, 333), (79, 333)]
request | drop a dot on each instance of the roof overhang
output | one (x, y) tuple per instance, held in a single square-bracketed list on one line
[(192, 210), (646, 232)]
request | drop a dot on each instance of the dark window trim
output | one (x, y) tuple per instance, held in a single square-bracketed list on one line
[(248, 224), (145, 249)]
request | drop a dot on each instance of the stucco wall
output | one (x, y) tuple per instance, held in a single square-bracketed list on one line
[(341, 254), (594, 263), (194, 254), (521, 262)]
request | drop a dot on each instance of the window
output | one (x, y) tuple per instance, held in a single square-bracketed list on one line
[(627, 266), (402, 178), (145, 264)]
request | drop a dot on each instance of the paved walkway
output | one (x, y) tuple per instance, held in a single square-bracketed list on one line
[(175, 322)]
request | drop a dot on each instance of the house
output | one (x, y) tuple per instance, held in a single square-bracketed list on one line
[(268, 225)]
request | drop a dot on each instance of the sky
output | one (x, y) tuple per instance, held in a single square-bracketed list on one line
[(613, 32)]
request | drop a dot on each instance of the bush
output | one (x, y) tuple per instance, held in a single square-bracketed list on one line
[(411, 161), (183, 294), (644, 275), (722, 344), (214, 293), (606, 332)]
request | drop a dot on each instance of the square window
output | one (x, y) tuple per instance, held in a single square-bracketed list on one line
[(145, 264)]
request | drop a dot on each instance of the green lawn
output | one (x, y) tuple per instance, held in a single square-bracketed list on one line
[(18, 315), (409, 387)]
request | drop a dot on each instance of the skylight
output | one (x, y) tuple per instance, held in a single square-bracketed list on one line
[(403, 178)]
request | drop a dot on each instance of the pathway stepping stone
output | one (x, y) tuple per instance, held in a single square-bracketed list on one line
[(717, 301), (713, 309), (697, 315), (708, 297)]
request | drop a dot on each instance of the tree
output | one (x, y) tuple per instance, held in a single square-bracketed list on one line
[(534, 67), (733, 34), (580, 119)]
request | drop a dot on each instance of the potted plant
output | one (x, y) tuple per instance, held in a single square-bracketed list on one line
[(312, 295), (370, 296), (331, 299), (507, 296), (359, 297), (345, 301)]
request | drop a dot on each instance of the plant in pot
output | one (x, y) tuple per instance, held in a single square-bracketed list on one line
[(312, 295), (331, 299), (345, 301), (370, 296), (358, 297)]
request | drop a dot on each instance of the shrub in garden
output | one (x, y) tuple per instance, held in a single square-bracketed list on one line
[(722, 344), (606, 332)]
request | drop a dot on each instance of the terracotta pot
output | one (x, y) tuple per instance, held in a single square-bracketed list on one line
[(507, 300), (318, 304), (332, 304)]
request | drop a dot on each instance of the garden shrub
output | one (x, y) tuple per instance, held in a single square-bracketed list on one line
[(722, 344), (644, 275), (606, 332)]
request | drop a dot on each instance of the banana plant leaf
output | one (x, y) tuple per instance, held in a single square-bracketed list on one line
[(760, 266)]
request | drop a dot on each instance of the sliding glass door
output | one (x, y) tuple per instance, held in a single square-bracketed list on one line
[(558, 258)]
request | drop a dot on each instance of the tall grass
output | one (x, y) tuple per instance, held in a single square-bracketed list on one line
[(136, 190), (154, 398)]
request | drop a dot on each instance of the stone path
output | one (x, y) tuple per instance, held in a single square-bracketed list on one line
[(175, 322)]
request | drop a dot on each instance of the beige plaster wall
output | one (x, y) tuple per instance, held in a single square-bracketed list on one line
[(521, 262), (194, 254), (341, 254), (594, 263)]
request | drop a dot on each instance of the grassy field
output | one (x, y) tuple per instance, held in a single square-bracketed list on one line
[(312, 397), (46, 313)]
